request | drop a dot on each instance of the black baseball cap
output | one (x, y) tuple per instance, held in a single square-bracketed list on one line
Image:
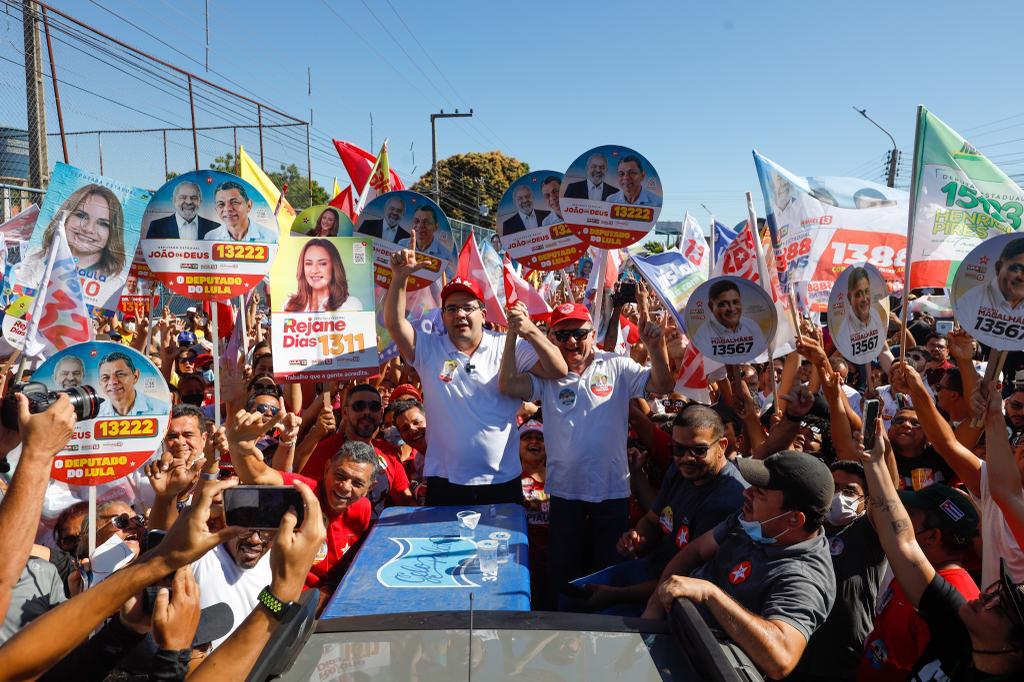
[(805, 479), (956, 514)]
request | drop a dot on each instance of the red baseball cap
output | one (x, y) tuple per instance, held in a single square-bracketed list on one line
[(403, 390), (569, 311), (462, 284)]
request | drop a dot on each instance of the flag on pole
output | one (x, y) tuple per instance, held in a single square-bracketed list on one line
[(250, 171), (471, 266), (59, 315), (344, 203), (694, 246), (337, 188), (518, 289), (359, 163), (960, 198), (721, 237)]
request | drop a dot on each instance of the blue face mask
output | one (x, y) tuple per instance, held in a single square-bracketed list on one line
[(753, 529)]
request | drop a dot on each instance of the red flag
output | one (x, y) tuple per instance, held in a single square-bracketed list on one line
[(343, 202), (358, 163), (692, 381), (471, 267), (518, 289)]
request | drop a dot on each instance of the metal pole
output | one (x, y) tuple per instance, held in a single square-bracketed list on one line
[(192, 106), (234, 153), (433, 156), (166, 169), (894, 158), (34, 104), (309, 165), (259, 117), (99, 143), (206, 22), (56, 90)]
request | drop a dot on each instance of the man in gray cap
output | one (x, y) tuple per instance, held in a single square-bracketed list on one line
[(763, 576)]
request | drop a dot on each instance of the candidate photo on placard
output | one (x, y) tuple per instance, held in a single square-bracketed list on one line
[(730, 320), (530, 224), (321, 284), (322, 221), (858, 313), (101, 220), (611, 196), (988, 292)]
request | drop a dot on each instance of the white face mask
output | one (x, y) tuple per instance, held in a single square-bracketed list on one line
[(129, 327), (844, 510)]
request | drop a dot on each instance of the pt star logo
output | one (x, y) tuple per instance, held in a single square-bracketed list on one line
[(345, 549), (739, 573)]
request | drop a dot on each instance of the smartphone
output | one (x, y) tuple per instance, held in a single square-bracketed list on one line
[(870, 419), (149, 597), (627, 292), (261, 506)]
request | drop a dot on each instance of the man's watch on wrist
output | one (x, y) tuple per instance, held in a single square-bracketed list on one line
[(280, 610)]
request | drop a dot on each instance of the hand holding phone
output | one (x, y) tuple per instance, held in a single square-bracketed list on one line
[(261, 507), (870, 419)]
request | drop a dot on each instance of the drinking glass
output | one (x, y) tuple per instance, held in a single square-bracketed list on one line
[(487, 552), (502, 538), (467, 524)]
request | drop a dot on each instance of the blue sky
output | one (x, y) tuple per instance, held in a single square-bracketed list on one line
[(692, 86)]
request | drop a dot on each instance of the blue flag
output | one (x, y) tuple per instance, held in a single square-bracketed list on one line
[(720, 238)]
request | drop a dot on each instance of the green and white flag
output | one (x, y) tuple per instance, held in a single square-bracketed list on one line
[(960, 198)]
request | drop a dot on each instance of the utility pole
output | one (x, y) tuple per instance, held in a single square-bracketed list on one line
[(35, 105), (433, 146), (893, 156)]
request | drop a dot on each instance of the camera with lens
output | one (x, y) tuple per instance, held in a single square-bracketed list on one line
[(625, 292), (84, 399)]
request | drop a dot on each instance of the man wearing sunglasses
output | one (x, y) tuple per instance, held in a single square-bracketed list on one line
[(362, 415), (1014, 409), (586, 421), (472, 442), (971, 638)]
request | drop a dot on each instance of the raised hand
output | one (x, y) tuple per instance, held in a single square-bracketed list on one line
[(800, 401), (961, 345), (46, 433), (248, 427), (176, 612), (403, 261), (294, 548), (519, 321)]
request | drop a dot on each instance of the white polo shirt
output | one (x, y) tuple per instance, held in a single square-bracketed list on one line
[(471, 434), (585, 427)]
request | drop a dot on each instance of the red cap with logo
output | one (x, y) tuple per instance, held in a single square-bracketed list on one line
[(569, 311), (464, 285)]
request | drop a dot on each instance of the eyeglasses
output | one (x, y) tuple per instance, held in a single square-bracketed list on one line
[(190, 359), (669, 402), (563, 335), (362, 405), (68, 541), (900, 421), (698, 451), (467, 308), (268, 410), (124, 521)]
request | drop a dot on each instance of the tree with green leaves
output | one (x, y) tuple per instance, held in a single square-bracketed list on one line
[(470, 180)]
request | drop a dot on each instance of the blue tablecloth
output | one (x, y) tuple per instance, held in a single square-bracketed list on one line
[(413, 560)]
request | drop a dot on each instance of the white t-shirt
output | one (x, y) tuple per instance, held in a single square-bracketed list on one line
[(853, 397), (585, 425), (471, 433), (715, 337), (220, 579), (997, 538)]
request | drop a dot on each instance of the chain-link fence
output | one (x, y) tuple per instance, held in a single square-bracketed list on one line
[(461, 231)]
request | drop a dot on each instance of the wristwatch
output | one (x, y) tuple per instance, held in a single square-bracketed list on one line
[(278, 609)]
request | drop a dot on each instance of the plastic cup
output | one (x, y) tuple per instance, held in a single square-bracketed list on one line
[(502, 538), (467, 524), (487, 552)]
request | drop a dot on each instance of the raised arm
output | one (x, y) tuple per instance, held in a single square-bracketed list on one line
[(403, 264), (892, 523), (661, 380), (242, 433), (510, 381), (1004, 480), (964, 463)]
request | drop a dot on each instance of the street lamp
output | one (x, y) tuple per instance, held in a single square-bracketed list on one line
[(894, 156)]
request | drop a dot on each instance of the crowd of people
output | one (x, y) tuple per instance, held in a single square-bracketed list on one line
[(824, 545)]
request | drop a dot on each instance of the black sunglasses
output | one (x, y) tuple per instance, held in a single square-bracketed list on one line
[(563, 335), (669, 402), (269, 410), (698, 451), (362, 405), (124, 521)]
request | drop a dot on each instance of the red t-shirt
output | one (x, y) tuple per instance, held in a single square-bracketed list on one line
[(900, 635), (389, 454), (344, 531)]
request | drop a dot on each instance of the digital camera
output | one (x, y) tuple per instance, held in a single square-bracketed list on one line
[(84, 399)]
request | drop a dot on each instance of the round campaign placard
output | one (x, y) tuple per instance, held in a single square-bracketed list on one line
[(858, 313), (531, 226), (209, 235), (611, 196), (988, 292), (391, 218), (730, 319), (322, 221), (131, 419)]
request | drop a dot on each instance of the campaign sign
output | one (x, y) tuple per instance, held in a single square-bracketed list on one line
[(138, 289), (209, 235), (322, 221), (322, 321), (988, 292), (611, 196), (730, 319), (391, 218), (858, 313), (131, 420), (101, 219), (531, 226)]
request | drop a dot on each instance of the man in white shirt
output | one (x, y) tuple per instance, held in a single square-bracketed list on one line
[(472, 443), (586, 416), (233, 206), (594, 187), (234, 573), (185, 223), (727, 333), (631, 180)]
